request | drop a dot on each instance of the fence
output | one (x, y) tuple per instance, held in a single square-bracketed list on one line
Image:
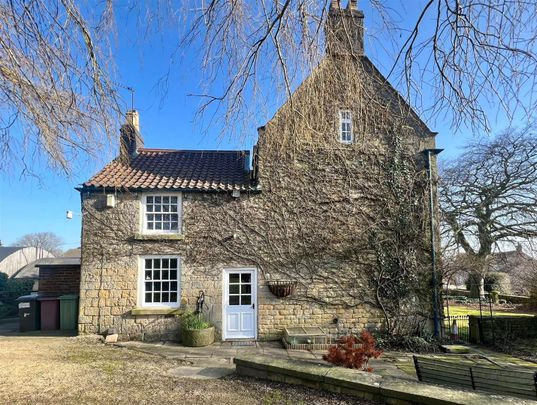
[(463, 326)]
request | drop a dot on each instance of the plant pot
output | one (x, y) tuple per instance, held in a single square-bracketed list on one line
[(197, 337)]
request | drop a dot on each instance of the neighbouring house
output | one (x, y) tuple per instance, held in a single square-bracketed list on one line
[(323, 225), (520, 268), (75, 252)]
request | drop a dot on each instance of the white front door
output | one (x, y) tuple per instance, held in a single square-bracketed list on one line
[(240, 304)]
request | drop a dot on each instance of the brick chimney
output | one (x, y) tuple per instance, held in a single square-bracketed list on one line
[(130, 139), (344, 29)]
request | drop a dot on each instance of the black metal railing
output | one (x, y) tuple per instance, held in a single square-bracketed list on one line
[(461, 332)]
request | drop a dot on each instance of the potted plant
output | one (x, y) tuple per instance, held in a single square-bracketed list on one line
[(196, 331)]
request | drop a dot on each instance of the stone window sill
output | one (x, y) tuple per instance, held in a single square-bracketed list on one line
[(156, 311), (157, 236)]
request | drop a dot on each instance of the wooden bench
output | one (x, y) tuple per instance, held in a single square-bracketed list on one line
[(511, 381)]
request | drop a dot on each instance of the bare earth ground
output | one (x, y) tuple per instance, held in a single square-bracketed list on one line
[(54, 370)]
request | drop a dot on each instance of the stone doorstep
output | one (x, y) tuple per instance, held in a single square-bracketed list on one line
[(364, 385)]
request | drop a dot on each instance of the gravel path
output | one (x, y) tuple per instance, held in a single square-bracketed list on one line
[(56, 370)]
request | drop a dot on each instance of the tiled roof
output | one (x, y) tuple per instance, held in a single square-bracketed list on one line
[(199, 170)]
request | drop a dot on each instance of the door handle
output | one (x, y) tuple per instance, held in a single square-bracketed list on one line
[(253, 306)]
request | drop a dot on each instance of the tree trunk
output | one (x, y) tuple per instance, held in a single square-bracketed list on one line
[(477, 285)]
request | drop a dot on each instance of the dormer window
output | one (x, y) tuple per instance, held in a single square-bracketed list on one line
[(345, 126), (161, 213)]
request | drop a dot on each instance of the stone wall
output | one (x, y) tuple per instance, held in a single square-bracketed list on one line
[(109, 291), (311, 223), (501, 329)]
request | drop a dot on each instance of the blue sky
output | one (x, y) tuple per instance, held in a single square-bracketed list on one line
[(29, 204)]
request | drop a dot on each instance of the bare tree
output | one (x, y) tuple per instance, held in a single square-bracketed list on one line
[(58, 99), (48, 241), (474, 56), (55, 90), (489, 197)]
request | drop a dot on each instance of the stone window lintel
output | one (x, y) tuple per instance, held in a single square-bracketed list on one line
[(157, 236)]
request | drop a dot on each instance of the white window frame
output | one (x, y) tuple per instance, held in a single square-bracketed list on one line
[(143, 210), (342, 121), (141, 282)]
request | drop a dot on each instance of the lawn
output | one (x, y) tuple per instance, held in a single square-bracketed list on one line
[(458, 310), (60, 370)]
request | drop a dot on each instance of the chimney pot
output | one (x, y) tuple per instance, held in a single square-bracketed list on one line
[(344, 29), (133, 118)]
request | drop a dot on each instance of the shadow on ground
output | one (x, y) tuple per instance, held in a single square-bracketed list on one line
[(10, 327)]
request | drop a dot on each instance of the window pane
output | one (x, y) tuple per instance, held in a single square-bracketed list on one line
[(166, 199), (166, 226), (234, 300), (158, 199), (158, 208), (150, 225), (174, 217), (174, 200), (246, 300), (165, 208), (245, 277), (158, 225), (234, 277), (246, 289), (161, 280), (149, 208), (173, 208), (149, 199), (174, 226), (234, 289)]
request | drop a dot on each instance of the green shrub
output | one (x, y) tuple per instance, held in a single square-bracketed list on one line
[(496, 281), (7, 310), (192, 321), (414, 344)]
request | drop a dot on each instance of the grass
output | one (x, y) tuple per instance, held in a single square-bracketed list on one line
[(460, 310), (60, 370)]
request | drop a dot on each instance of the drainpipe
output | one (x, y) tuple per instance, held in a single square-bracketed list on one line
[(436, 312)]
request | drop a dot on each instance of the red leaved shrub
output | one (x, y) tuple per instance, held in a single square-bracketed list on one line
[(354, 352)]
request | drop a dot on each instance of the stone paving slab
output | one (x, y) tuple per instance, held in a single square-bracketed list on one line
[(201, 373), (393, 365)]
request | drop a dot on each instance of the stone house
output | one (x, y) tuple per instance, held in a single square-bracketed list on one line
[(162, 226)]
